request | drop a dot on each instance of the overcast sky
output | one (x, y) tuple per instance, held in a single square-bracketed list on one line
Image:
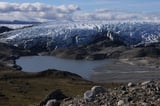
[(44, 10)]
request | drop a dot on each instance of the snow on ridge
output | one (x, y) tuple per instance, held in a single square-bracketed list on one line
[(16, 26), (64, 34)]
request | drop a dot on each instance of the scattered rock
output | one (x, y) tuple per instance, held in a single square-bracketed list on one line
[(120, 103), (145, 104), (125, 95)]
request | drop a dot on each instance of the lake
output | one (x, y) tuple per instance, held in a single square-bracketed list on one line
[(83, 68)]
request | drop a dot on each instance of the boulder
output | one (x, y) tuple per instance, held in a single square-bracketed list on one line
[(145, 83), (97, 89), (130, 84), (53, 102), (57, 95), (89, 96)]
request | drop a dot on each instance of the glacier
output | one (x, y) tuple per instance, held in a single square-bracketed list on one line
[(52, 35)]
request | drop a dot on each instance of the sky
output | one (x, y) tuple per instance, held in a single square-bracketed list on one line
[(48, 10)]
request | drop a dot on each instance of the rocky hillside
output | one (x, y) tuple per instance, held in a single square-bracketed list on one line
[(9, 53), (132, 94), (4, 29), (105, 48)]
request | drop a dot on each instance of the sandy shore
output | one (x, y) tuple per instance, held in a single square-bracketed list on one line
[(127, 71)]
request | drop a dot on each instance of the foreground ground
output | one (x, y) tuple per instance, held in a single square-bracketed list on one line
[(132, 94), (24, 89)]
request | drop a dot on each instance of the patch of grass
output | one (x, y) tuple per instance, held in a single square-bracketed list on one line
[(24, 89)]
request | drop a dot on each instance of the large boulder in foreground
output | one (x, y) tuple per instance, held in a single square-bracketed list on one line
[(91, 94), (55, 95)]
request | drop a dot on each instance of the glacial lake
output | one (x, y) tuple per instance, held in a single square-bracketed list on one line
[(83, 68)]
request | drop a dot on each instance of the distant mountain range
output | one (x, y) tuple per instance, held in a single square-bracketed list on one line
[(18, 22)]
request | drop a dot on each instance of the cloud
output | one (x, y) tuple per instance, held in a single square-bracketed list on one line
[(36, 11), (44, 12), (106, 14)]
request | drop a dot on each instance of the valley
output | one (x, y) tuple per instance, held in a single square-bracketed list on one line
[(130, 62)]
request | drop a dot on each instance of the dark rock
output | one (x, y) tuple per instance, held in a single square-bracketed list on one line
[(123, 88), (17, 67), (4, 29), (2, 95), (57, 95), (129, 99)]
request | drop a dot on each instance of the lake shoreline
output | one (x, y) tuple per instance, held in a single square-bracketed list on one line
[(124, 72), (83, 68), (120, 71)]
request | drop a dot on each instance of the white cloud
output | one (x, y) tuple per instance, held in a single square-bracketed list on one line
[(44, 12), (105, 14), (36, 11)]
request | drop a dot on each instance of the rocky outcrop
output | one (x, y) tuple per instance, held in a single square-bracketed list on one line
[(106, 49), (57, 74), (51, 99), (97, 50), (9, 53), (132, 94), (4, 29)]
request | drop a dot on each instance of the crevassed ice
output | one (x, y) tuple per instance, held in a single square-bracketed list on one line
[(64, 34)]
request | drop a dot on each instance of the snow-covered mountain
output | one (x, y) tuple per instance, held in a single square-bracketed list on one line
[(64, 34)]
